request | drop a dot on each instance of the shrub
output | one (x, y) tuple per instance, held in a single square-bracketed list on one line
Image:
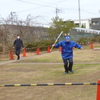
[(83, 41)]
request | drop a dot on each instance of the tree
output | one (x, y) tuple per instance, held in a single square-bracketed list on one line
[(59, 25), (9, 28), (83, 26), (4, 34)]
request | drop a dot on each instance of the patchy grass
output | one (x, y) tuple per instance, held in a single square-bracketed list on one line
[(79, 56), (6, 57), (87, 56), (46, 73), (28, 72)]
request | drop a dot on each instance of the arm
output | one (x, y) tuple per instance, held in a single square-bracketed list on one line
[(57, 45), (76, 45), (22, 44), (14, 44)]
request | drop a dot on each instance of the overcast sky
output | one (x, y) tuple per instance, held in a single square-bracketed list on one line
[(44, 10)]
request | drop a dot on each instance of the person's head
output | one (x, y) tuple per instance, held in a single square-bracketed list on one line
[(18, 36), (67, 38)]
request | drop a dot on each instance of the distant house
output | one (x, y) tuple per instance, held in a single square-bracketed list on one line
[(95, 23), (85, 23)]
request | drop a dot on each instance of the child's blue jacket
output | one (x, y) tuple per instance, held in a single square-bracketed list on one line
[(67, 48)]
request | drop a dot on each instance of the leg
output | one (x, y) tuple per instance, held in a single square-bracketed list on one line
[(70, 64), (65, 65), (18, 53)]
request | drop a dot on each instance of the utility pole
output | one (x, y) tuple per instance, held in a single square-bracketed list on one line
[(12, 17), (57, 11), (79, 13)]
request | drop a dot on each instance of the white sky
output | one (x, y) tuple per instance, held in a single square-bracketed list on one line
[(46, 9)]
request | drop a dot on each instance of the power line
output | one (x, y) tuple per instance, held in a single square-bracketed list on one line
[(44, 5), (48, 6), (35, 3), (31, 9), (88, 12)]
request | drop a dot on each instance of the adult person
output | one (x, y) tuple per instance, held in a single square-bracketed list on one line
[(67, 52), (18, 44)]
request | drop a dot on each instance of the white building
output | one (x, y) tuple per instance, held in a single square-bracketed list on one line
[(86, 23)]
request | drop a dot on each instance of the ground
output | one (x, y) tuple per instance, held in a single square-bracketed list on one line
[(48, 68)]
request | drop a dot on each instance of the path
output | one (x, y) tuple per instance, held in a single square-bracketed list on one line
[(24, 58)]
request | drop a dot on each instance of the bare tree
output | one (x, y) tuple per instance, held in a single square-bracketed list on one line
[(11, 26), (4, 37)]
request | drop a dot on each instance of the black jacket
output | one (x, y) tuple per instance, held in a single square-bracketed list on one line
[(18, 43)]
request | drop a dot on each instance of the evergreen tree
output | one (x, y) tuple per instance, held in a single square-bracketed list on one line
[(59, 25)]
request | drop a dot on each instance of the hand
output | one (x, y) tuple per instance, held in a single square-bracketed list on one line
[(23, 48), (81, 48), (53, 45)]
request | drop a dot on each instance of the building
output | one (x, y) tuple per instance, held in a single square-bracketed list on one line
[(95, 23), (85, 23)]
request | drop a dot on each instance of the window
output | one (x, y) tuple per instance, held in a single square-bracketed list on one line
[(95, 22)]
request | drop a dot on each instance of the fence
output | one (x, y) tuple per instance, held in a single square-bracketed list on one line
[(79, 33)]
